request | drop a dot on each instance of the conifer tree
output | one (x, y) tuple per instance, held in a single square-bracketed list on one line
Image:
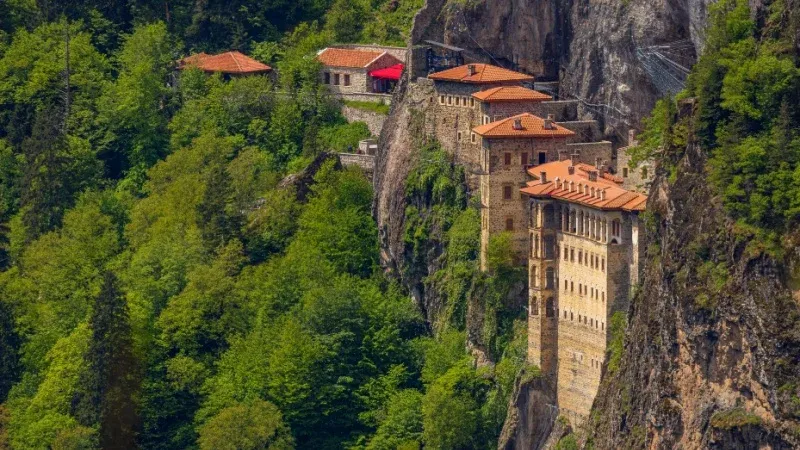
[(109, 385), (219, 221)]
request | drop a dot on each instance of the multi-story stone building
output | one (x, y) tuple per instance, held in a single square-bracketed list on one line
[(456, 112), (638, 177), (508, 147), (583, 258)]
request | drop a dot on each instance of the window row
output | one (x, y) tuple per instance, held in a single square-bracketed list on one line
[(584, 290), (336, 78), (524, 160), (587, 259), (455, 100), (584, 320)]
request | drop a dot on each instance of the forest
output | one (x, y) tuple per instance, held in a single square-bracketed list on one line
[(162, 287)]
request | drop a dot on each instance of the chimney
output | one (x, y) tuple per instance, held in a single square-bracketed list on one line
[(543, 176), (471, 69), (576, 157), (593, 175), (548, 123), (518, 123), (571, 170), (631, 137), (598, 163), (603, 194)]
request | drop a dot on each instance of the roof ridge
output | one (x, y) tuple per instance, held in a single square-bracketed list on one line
[(233, 57), (375, 59)]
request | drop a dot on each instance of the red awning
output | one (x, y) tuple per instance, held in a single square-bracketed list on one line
[(389, 73)]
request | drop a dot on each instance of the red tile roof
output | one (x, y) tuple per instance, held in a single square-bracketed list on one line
[(483, 74), (576, 187), (510, 94), (347, 57), (229, 62), (531, 126)]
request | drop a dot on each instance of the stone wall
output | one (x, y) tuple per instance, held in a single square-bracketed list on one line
[(585, 130), (374, 120), (386, 99), (563, 110), (634, 178), (590, 151), (358, 80), (366, 162)]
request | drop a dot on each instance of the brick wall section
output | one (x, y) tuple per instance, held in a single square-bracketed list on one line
[(373, 119)]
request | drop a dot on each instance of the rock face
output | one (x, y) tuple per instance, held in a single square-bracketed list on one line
[(710, 356)]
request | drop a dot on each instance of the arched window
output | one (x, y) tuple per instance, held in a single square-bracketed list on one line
[(548, 216), (550, 278), (549, 308)]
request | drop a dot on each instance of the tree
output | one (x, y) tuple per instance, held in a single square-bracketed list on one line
[(219, 220), (345, 20), (10, 366), (107, 389), (255, 426)]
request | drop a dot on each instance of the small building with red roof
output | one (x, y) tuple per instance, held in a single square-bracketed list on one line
[(359, 70), (583, 261), (232, 63)]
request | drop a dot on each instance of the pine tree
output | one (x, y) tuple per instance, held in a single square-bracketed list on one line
[(108, 387), (9, 351), (219, 221)]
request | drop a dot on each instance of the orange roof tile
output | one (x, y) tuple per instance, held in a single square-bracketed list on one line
[(510, 94), (483, 74), (576, 187), (347, 57), (229, 62), (532, 126)]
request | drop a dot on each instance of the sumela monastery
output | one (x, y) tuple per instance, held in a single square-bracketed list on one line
[(571, 203)]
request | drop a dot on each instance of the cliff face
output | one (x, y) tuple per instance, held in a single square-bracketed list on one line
[(710, 356)]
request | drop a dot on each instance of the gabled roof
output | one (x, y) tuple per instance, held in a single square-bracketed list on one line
[(229, 62), (576, 187), (349, 57), (483, 74), (510, 94), (532, 127)]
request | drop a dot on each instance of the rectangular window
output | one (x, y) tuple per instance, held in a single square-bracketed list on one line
[(456, 101), (624, 172), (580, 257), (449, 100), (441, 99), (603, 264), (485, 120), (506, 192), (458, 136), (507, 159), (572, 254), (524, 158), (347, 79), (542, 157), (572, 286), (471, 102), (327, 78), (509, 224), (336, 79), (472, 137), (566, 285)]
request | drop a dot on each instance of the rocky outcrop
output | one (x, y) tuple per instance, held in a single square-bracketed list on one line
[(532, 421), (711, 354)]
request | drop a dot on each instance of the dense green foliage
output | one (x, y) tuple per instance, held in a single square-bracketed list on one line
[(161, 288), (746, 87)]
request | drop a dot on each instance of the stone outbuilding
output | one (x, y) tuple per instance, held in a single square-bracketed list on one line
[(358, 71)]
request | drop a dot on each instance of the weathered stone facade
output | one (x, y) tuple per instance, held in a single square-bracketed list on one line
[(504, 165), (634, 178), (583, 263), (374, 120)]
